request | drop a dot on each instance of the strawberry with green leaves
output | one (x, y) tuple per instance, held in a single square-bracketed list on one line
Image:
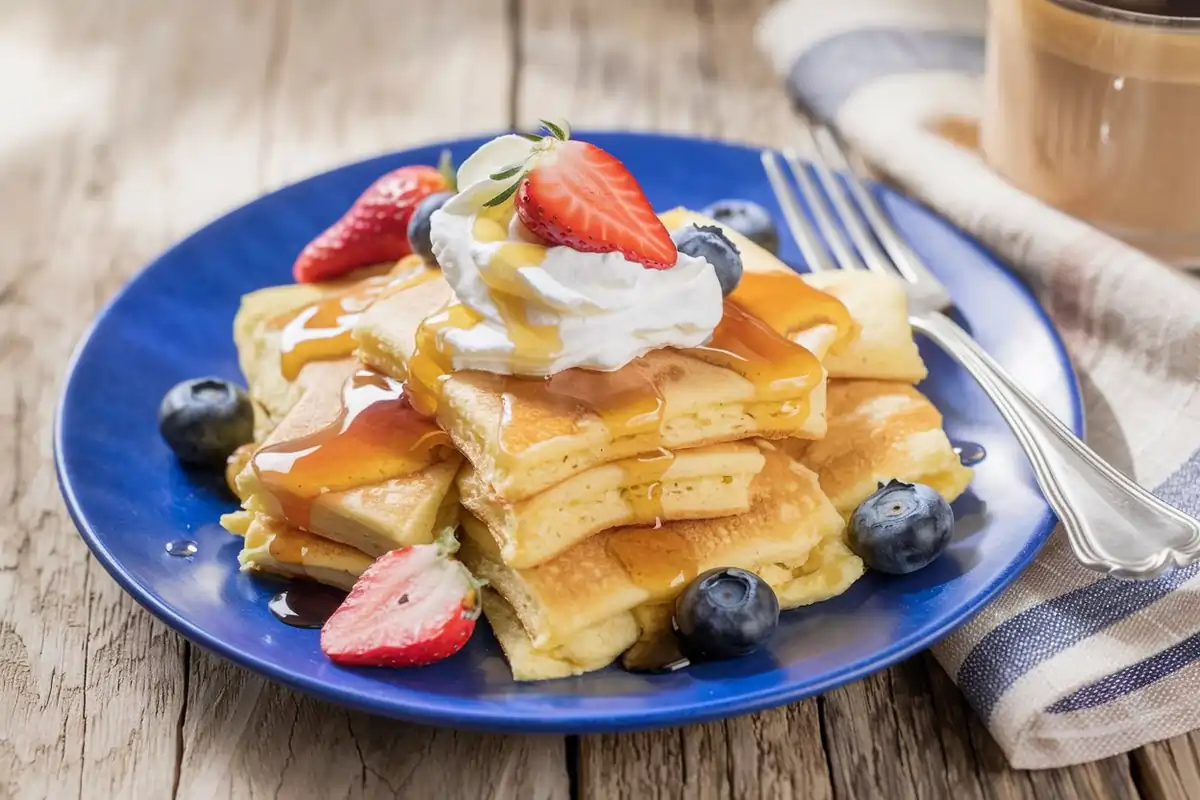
[(574, 194), (375, 229)]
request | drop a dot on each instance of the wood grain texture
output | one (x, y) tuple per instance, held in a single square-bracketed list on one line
[(245, 737), (147, 124), (1170, 769), (137, 121)]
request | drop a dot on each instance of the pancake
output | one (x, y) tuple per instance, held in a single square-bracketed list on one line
[(412, 509), (878, 431), (258, 344), (830, 569), (590, 649), (699, 483), (273, 546), (524, 436), (883, 347), (623, 568)]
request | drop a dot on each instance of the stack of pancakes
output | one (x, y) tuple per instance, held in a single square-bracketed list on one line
[(588, 502)]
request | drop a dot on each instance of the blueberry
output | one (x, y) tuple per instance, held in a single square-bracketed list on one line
[(725, 613), (709, 243), (749, 219), (418, 224), (205, 419), (901, 528)]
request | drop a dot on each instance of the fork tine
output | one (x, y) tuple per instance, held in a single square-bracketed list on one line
[(806, 237), (905, 260), (826, 223), (828, 161)]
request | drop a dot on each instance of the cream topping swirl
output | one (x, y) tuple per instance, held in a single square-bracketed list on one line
[(538, 310)]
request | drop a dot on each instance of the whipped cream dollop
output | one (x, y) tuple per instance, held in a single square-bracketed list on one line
[(538, 310)]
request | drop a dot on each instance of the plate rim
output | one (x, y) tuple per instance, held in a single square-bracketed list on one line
[(432, 709)]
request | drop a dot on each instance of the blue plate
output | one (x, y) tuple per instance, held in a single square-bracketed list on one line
[(130, 498)]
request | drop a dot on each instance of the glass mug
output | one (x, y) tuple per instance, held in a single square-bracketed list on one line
[(1094, 107)]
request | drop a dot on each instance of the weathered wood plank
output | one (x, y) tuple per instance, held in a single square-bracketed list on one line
[(1171, 769), (340, 86), (673, 65), (92, 686), (249, 738)]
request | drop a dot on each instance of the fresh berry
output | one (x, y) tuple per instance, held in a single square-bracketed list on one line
[(574, 194), (711, 244), (204, 420), (374, 230), (725, 613), (412, 607), (901, 528), (749, 219), (419, 227)]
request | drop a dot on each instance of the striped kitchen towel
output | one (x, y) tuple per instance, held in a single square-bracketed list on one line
[(1065, 667)]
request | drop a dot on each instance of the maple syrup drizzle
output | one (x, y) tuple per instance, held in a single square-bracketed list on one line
[(492, 223), (432, 361), (658, 560), (306, 604), (655, 654), (779, 368), (643, 479), (377, 435), (786, 303), (628, 400), (322, 331), (429, 366), (509, 292)]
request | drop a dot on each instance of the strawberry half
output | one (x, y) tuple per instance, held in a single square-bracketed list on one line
[(574, 194), (412, 607), (374, 230)]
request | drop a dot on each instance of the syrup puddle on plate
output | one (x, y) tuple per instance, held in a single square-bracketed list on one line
[(969, 453), (655, 656), (306, 604), (183, 548)]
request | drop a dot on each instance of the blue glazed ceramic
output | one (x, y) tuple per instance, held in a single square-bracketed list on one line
[(130, 498)]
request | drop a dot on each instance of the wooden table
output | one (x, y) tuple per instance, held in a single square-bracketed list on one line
[(128, 124)]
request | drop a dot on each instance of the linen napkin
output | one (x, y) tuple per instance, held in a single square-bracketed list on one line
[(1065, 666)]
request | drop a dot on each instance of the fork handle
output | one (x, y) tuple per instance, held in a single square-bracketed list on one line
[(1114, 526)]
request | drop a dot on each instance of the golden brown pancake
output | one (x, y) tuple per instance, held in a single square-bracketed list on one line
[(412, 509), (878, 431), (258, 344), (883, 347), (590, 649), (524, 436), (700, 483), (275, 547), (621, 569)]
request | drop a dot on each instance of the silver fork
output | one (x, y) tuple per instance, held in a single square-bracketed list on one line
[(1114, 525)]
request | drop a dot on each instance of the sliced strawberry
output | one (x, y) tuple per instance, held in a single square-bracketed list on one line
[(412, 607), (374, 230), (577, 195)]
